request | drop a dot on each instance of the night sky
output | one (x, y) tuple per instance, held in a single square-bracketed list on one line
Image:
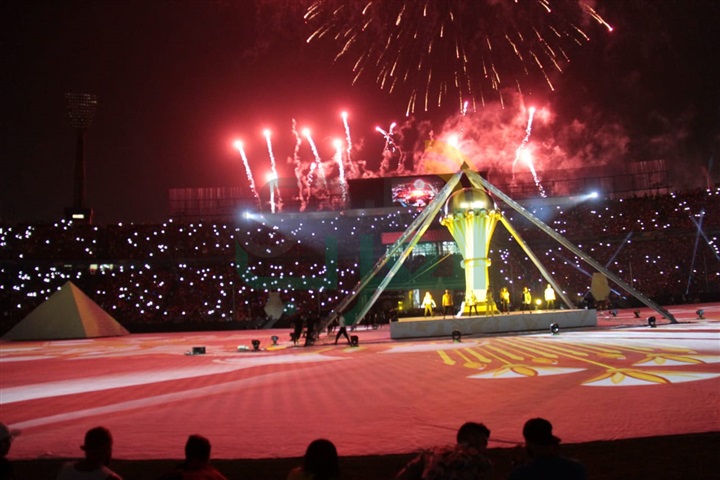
[(178, 81)]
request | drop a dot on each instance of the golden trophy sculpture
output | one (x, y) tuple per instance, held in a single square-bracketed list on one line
[(471, 216)]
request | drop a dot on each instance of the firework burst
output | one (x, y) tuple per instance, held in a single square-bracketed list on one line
[(460, 50), (239, 147)]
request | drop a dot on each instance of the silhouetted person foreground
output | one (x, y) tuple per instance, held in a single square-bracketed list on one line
[(543, 456), (6, 438), (321, 462), (197, 462), (467, 460), (98, 452)]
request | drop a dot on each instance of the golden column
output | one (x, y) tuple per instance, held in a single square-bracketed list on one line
[(471, 216)]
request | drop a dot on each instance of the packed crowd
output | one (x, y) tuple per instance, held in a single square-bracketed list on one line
[(664, 246)]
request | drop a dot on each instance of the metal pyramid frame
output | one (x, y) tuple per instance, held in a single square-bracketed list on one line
[(421, 223)]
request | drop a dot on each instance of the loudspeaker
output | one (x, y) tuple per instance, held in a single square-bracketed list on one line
[(354, 341), (198, 350)]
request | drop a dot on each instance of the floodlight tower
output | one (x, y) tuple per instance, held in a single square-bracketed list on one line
[(81, 111), (471, 216)]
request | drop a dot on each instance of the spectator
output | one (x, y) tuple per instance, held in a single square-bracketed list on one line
[(467, 460), (543, 452), (6, 439), (321, 462), (98, 452), (197, 462)]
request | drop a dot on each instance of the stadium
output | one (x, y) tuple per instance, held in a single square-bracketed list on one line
[(368, 224), (207, 295)]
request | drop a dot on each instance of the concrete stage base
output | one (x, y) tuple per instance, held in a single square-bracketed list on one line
[(419, 327)]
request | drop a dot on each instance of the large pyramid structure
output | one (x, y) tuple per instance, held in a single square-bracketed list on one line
[(68, 313)]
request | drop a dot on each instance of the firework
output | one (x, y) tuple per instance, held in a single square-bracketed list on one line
[(341, 168), (438, 50), (318, 161), (389, 142), (298, 167), (522, 152), (352, 167), (273, 184), (239, 146)]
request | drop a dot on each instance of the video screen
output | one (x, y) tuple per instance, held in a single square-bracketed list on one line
[(415, 192)]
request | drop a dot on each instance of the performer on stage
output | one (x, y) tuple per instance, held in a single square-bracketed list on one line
[(526, 299), (429, 304), (448, 303), (472, 302), (550, 298), (505, 300), (490, 304)]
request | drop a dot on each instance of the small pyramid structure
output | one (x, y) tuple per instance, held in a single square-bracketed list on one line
[(67, 314)]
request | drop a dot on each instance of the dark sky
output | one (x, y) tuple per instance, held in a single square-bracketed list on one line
[(177, 81)]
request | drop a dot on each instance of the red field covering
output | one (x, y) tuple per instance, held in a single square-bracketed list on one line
[(620, 380)]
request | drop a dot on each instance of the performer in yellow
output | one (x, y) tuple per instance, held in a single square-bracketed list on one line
[(448, 303), (526, 299), (505, 300), (550, 298), (472, 302), (429, 304), (490, 305)]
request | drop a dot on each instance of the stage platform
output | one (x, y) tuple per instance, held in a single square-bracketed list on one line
[(424, 327)]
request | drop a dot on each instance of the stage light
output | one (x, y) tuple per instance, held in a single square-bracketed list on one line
[(637, 313), (456, 336), (256, 345), (700, 314), (274, 339), (198, 351), (354, 341), (554, 328), (651, 322)]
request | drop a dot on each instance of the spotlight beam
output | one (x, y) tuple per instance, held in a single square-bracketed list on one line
[(707, 240), (582, 270), (624, 242), (694, 255)]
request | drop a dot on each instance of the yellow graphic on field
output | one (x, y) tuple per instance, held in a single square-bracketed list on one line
[(606, 364)]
